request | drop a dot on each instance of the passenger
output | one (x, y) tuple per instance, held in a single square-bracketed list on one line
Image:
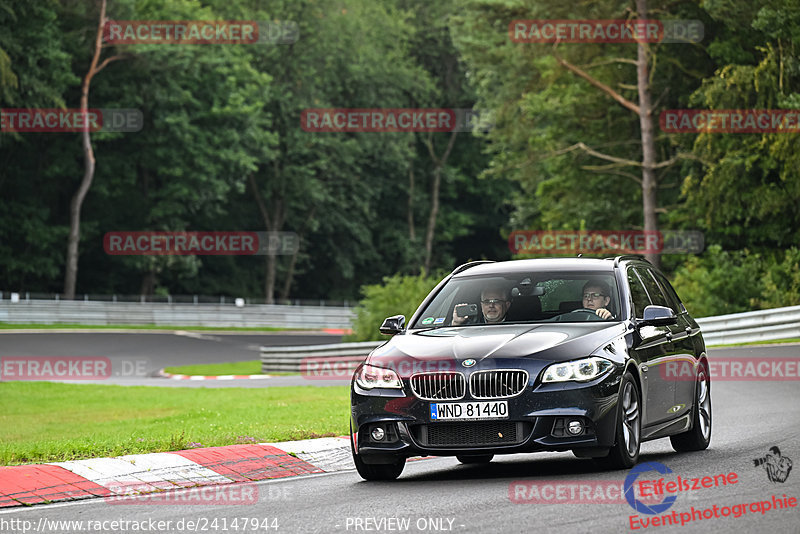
[(494, 305)]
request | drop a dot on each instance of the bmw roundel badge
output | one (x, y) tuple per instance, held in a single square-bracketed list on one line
[(469, 362)]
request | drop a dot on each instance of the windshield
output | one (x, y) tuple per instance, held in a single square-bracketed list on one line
[(533, 297)]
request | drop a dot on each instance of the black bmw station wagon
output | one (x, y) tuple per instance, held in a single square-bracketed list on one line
[(534, 355)]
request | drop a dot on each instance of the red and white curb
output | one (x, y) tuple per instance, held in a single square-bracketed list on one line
[(171, 376), (338, 331), (160, 472)]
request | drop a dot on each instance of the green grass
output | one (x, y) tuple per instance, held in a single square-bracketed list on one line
[(35, 326), (252, 367), (49, 422), (763, 342)]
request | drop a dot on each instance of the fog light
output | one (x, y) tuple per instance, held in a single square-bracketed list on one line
[(377, 433), (575, 428)]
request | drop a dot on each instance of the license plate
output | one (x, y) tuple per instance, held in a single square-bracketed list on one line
[(466, 411)]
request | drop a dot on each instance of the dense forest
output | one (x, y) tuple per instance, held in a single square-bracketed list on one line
[(573, 142)]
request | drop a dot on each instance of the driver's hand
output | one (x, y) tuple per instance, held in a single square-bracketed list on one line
[(603, 313), (456, 318)]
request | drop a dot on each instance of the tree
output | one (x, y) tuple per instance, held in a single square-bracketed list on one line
[(548, 124), (34, 73), (443, 156), (744, 188), (352, 55), (71, 271), (203, 132)]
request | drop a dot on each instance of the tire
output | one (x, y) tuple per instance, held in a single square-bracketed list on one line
[(482, 459), (698, 438), (625, 452), (376, 471)]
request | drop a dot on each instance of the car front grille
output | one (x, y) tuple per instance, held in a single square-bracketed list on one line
[(497, 383), (471, 434), (438, 386)]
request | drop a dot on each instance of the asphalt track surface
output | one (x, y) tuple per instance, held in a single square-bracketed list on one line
[(136, 357), (440, 495)]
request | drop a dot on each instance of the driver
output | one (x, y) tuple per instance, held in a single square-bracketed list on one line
[(596, 297), (494, 305)]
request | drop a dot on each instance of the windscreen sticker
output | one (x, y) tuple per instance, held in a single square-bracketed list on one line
[(439, 320), (427, 320)]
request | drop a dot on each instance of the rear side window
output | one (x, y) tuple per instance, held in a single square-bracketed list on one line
[(638, 294), (653, 289), (669, 291)]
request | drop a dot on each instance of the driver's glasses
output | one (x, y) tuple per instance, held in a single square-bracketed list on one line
[(492, 302), (592, 296)]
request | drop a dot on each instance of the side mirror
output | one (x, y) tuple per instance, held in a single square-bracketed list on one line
[(658, 316), (393, 325)]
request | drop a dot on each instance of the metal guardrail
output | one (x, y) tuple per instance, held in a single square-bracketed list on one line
[(763, 325), (17, 296), (345, 356), (163, 314)]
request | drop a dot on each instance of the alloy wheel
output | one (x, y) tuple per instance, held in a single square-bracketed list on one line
[(630, 422)]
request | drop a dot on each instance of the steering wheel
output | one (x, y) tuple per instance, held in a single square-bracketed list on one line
[(591, 315)]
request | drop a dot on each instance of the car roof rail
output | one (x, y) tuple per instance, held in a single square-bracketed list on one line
[(639, 257), (468, 265)]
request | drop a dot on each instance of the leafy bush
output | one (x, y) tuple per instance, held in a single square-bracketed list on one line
[(782, 282), (720, 282), (397, 295)]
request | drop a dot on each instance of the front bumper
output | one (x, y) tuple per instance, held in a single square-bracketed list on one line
[(536, 421)]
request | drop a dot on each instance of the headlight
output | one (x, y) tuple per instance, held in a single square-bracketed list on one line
[(370, 377), (577, 371)]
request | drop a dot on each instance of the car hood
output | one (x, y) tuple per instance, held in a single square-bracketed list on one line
[(555, 342)]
